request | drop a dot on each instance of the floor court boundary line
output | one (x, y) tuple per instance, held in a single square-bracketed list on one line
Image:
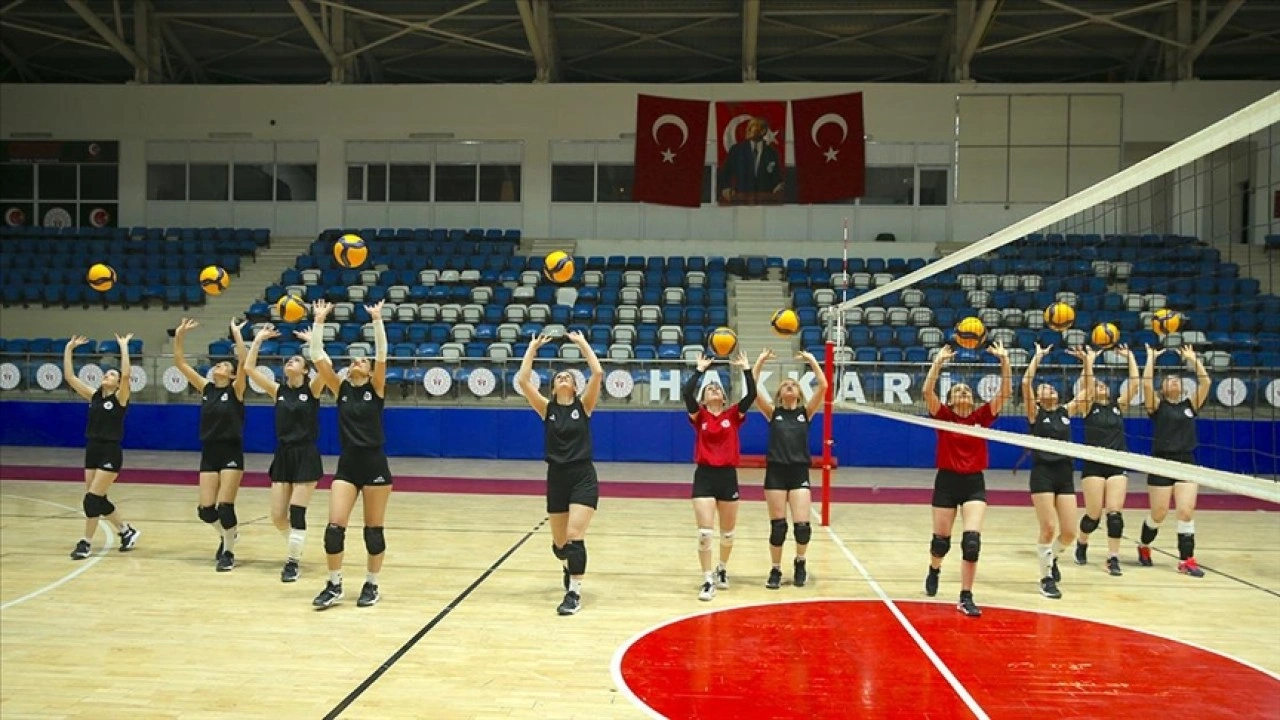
[(923, 644), (1226, 575), (102, 552)]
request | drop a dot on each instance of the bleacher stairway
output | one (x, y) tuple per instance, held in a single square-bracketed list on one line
[(752, 304)]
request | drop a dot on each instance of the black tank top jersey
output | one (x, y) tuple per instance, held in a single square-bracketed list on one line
[(106, 417), (1054, 424), (567, 433), (1104, 427), (1174, 428), (788, 436), (360, 416), (297, 416), (221, 414)]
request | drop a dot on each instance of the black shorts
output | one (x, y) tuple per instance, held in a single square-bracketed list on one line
[(216, 456), (720, 483), (1053, 477), (786, 477), (103, 455), (1162, 481), (1093, 469), (572, 483), (296, 464), (952, 489), (363, 467)]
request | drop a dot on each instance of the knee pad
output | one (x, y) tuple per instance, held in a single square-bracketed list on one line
[(106, 506), (726, 539), (335, 539), (939, 546), (207, 513), (297, 517), (93, 505), (558, 551), (777, 532), (971, 545), (374, 541), (1115, 525), (576, 554), (803, 532), (1088, 524), (704, 539), (227, 515)]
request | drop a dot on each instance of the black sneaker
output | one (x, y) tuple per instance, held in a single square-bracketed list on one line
[(129, 538), (1049, 588), (775, 579), (82, 550), (1113, 566), (1054, 572), (328, 597), (801, 574), (931, 581), (968, 607), (571, 604), (1082, 552), (368, 595), (290, 571), (226, 561)]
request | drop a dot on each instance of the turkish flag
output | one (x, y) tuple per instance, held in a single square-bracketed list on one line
[(751, 151), (671, 147), (831, 157)]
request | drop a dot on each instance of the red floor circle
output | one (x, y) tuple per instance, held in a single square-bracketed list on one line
[(853, 658)]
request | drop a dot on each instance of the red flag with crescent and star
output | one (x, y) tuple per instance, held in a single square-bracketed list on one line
[(830, 148), (671, 147), (751, 151)]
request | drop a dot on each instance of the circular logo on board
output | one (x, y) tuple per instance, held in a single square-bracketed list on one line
[(1232, 392), (619, 384), (90, 375), (263, 369), (173, 380), (49, 376), (1272, 392), (98, 217), (137, 378), (57, 218), (482, 382), (988, 386), (10, 376), (579, 380), (535, 381), (437, 381), (15, 216)]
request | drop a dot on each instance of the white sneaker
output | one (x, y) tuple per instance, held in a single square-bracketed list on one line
[(722, 577), (708, 591)]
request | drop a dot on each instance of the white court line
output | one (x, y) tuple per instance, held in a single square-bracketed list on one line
[(69, 576), (942, 668)]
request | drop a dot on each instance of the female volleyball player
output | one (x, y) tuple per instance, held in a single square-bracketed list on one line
[(103, 457), (573, 489), (1105, 485), (1053, 491), (362, 465), (715, 451), (296, 465), (1173, 438), (786, 475), (221, 439), (960, 482)]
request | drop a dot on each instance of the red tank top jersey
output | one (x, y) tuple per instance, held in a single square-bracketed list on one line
[(715, 442), (963, 454)]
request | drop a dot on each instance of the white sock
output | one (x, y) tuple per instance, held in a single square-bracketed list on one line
[(335, 577), (709, 577), (575, 586), (296, 538), (1058, 548), (1045, 554), (371, 578), (229, 538)]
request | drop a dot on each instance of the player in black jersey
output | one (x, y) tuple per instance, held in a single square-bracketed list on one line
[(296, 465), (1053, 491), (362, 466), (1105, 486), (103, 458), (221, 440), (786, 475), (573, 489), (1173, 419)]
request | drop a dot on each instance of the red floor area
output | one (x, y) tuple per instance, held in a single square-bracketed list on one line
[(841, 659)]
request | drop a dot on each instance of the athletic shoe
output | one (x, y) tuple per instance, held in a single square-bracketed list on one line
[(566, 577), (801, 572), (967, 606), (290, 572), (82, 550), (1144, 556), (571, 604), (931, 581), (1049, 588), (328, 597), (1054, 572), (368, 595), (1113, 566), (722, 577), (1082, 551), (1190, 567), (226, 562), (129, 538), (775, 579), (708, 591)]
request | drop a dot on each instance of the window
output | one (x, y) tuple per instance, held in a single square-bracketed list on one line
[(99, 182), (166, 182), (253, 182), (208, 182), (19, 181), (409, 183), (573, 183), (376, 188), (455, 183), (499, 183), (355, 182), (57, 182), (614, 182), (934, 188), (295, 183), (893, 185)]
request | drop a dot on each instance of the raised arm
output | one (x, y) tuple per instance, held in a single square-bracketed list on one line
[(69, 369), (690, 390), (819, 393), (591, 394), (1135, 380), (250, 360), (264, 381), (126, 369), (1083, 400), (179, 357), (1006, 377), (317, 380), (315, 343), (1029, 404), (1149, 398), (524, 383), (931, 401), (379, 377), (763, 403), (1202, 376), (740, 361)]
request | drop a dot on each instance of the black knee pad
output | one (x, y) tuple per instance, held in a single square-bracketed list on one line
[(297, 517), (1148, 534), (939, 546), (106, 506), (374, 541), (93, 505), (558, 551), (1088, 524), (227, 515), (1115, 525), (335, 539), (576, 553), (777, 532), (207, 513), (970, 545), (804, 531)]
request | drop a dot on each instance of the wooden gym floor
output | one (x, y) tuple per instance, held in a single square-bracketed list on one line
[(467, 627)]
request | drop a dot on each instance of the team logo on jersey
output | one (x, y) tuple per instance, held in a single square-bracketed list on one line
[(224, 397), (1189, 413), (800, 418), (378, 481), (724, 423), (574, 415), (551, 417), (344, 398), (735, 496), (108, 466), (777, 417), (1115, 410), (1065, 420), (108, 405), (368, 395), (232, 463), (303, 397)]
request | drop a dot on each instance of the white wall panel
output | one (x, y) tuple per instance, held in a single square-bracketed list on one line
[(1038, 120), (1037, 174)]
